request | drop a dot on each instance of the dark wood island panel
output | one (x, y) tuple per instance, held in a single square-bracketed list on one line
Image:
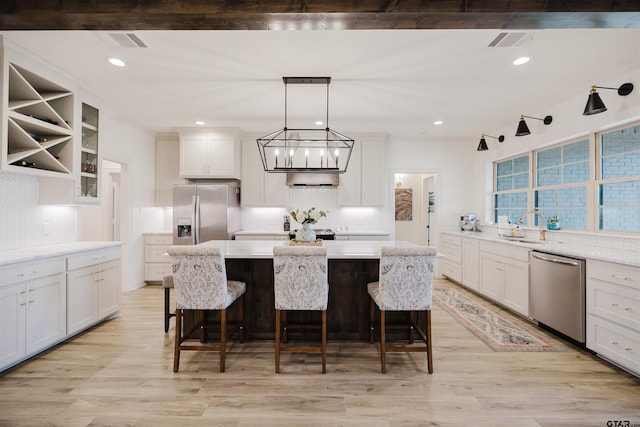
[(348, 309)]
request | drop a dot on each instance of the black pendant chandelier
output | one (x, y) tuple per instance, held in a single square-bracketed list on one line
[(305, 150)]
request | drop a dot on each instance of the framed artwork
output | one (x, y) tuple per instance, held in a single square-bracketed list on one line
[(404, 204)]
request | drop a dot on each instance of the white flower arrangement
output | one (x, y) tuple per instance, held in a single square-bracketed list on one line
[(310, 216)]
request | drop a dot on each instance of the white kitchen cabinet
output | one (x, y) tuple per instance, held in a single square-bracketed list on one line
[(210, 154), (363, 182), (491, 276), (504, 275), (93, 288), (89, 156), (613, 312), (260, 188), (32, 308), (167, 167), (157, 262), (470, 262), (451, 247)]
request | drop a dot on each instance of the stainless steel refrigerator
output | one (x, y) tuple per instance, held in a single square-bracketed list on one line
[(203, 212)]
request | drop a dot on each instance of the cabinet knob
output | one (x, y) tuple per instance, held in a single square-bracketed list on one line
[(614, 342), (614, 304), (629, 349), (629, 309)]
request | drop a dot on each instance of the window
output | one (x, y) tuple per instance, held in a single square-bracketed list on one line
[(564, 184), (511, 175), (619, 184), (562, 175)]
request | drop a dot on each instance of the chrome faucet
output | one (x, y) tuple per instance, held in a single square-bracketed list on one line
[(543, 229)]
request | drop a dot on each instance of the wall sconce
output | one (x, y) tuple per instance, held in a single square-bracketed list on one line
[(483, 142), (523, 129), (595, 104)]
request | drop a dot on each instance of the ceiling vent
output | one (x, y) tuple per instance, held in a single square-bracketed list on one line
[(511, 39), (123, 39)]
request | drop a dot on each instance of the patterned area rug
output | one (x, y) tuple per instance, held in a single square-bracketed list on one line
[(488, 324)]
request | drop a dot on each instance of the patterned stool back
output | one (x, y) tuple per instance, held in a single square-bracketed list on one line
[(406, 278), (300, 278), (199, 277)]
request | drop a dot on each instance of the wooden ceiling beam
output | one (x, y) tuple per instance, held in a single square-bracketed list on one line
[(316, 15)]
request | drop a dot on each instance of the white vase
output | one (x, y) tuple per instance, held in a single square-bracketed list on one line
[(305, 234)]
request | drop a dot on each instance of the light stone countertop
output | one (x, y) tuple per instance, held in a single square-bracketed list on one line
[(336, 249), (48, 251), (285, 233), (627, 257), (261, 233)]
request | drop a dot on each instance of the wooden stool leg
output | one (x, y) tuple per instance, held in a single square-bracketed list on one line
[(241, 307), (277, 341), (176, 351), (383, 342), (166, 310), (324, 341), (372, 313), (412, 319), (285, 334), (223, 338), (429, 348)]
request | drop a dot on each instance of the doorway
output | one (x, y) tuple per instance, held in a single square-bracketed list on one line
[(415, 204), (108, 221)]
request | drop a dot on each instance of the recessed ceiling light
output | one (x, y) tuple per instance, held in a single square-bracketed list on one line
[(522, 60), (199, 122), (116, 61), (438, 122)]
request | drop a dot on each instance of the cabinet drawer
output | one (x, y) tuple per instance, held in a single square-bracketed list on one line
[(615, 273), (158, 239), (452, 252), (451, 239), (156, 253), (87, 259), (617, 303), (505, 250), (155, 272), (32, 270), (619, 344), (452, 270)]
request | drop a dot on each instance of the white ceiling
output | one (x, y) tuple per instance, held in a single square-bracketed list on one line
[(396, 81)]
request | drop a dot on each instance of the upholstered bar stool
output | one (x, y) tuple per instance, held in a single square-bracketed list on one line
[(405, 284), (200, 282), (167, 284), (300, 283)]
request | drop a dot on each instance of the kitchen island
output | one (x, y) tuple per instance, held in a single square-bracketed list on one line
[(352, 264)]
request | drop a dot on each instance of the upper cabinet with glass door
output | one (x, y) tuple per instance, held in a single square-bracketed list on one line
[(39, 125), (89, 154)]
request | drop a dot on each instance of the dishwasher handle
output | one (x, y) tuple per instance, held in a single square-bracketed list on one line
[(555, 260)]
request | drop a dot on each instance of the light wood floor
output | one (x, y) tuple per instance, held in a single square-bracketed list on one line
[(120, 373)]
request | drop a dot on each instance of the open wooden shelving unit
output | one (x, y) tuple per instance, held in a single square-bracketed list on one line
[(39, 125)]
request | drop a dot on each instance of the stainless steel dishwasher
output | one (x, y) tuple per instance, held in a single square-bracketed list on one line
[(557, 293)]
